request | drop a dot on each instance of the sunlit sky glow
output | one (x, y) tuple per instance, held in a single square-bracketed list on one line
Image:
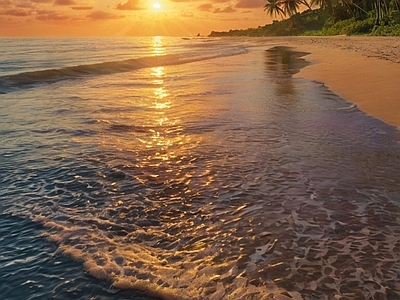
[(128, 17)]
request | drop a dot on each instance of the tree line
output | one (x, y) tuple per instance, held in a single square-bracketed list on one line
[(383, 11)]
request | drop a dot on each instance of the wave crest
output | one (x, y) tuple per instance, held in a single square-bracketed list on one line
[(30, 79)]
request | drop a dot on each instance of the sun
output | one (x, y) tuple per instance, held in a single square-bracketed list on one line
[(156, 5)]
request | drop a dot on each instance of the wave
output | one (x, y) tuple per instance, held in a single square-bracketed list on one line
[(348, 107), (14, 82)]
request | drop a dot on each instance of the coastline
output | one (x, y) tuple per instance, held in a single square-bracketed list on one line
[(364, 70)]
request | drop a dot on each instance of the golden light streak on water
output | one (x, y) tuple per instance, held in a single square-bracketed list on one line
[(158, 72), (158, 46)]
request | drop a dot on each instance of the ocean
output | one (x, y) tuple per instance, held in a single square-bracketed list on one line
[(160, 167)]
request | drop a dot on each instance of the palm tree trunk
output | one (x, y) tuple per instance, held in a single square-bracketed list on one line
[(377, 12)]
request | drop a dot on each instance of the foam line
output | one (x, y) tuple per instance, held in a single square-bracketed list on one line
[(30, 79)]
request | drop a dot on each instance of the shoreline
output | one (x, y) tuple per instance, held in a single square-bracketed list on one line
[(361, 69)]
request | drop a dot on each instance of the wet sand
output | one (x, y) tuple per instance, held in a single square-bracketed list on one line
[(363, 70)]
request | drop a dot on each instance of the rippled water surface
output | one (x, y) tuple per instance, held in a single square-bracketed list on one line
[(192, 169)]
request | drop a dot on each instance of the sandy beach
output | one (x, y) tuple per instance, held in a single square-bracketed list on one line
[(363, 70)]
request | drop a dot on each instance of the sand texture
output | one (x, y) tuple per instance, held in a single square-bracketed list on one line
[(363, 70)]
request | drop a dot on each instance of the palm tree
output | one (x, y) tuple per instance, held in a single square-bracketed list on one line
[(290, 7), (305, 3), (273, 7), (355, 8), (397, 4), (323, 4), (362, 7)]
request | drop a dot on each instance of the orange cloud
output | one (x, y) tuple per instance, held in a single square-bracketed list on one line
[(205, 7), (228, 9), (250, 3), (82, 7), (42, 1), (210, 8), (50, 15), (23, 4), (65, 2), (187, 14), (183, 1), (102, 15), (16, 13), (130, 5)]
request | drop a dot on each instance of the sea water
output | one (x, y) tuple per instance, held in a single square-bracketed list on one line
[(133, 168)]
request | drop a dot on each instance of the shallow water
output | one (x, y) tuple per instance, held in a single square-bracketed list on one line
[(217, 176), (32, 268)]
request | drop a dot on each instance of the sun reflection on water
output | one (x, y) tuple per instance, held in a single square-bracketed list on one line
[(158, 46), (164, 137), (158, 72), (149, 128), (160, 93)]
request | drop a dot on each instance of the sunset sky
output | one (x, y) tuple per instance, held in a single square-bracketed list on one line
[(127, 17)]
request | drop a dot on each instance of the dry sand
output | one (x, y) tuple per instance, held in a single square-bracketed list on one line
[(363, 70)]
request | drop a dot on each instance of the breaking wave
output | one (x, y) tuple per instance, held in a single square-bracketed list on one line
[(30, 79)]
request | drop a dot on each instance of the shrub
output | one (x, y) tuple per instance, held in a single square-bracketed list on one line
[(349, 27), (387, 30)]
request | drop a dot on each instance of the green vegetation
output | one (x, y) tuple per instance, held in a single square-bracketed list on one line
[(331, 17)]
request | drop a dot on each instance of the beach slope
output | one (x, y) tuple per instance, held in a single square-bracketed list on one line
[(364, 70)]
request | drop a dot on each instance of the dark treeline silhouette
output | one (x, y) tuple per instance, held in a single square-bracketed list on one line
[(327, 17)]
